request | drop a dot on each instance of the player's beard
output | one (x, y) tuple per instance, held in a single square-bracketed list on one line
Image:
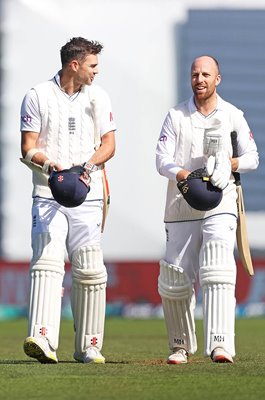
[(205, 95)]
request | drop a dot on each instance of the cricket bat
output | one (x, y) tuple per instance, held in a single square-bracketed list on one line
[(106, 198), (241, 232), (106, 191), (33, 166)]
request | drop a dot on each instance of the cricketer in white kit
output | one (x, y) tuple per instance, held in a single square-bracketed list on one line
[(58, 131), (196, 134)]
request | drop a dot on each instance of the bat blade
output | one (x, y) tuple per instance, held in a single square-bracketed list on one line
[(106, 198), (241, 234), (97, 142), (32, 166)]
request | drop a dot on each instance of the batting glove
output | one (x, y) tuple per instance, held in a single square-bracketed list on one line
[(222, 169)]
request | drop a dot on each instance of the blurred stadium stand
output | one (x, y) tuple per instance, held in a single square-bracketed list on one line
[(236, 38)]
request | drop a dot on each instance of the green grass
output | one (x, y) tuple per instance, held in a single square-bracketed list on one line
[(135, 351)]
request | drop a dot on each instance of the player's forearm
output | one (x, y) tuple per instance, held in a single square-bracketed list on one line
[(248, 162), (31, 153), (102, 155), (106, 151), (167, 168), (37, 157)]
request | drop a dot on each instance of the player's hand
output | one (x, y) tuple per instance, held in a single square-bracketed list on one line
[(85, 177), (50, 166), (182, 175), (81, 170), (219, 169)]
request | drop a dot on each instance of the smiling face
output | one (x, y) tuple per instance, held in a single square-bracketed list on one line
[(205, 77), (86, 69)]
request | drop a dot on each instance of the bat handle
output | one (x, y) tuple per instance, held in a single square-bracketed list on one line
[(234, 143), (235, 154)]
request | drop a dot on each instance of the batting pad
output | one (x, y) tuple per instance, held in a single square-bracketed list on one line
[(178, 300), (88, 297), (217, 279), (46, 279)]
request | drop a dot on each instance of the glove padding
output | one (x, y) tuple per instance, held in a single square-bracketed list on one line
[(219, 169), (212, 142)]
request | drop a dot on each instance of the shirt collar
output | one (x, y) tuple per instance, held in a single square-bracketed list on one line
[(57, 79), (58, 82), (199, 120), (219, 105)]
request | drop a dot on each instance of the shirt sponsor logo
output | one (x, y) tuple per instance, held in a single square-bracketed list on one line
[(163, 138), (26, 118)]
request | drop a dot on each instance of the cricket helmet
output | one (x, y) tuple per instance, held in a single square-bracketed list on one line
[(199, 192), (69, 187)]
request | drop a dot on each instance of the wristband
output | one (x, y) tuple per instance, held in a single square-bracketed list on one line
[(31, 153), (89, 167)]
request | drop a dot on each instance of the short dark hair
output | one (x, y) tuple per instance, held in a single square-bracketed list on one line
[(78, 48)]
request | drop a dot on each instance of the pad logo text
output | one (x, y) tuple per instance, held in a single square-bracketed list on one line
[(178, 341), (218, 338)]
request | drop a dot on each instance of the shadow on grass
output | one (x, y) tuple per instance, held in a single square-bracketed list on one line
[(6, 362), (21, 362)]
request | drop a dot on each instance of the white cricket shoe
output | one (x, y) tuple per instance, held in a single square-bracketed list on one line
[(179, 356), (40, 349), (91, 355), (219, 355)]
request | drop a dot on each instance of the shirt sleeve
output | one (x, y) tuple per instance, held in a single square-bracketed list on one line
[(165, 150), (30, 119), (107, 122), (248, 158)]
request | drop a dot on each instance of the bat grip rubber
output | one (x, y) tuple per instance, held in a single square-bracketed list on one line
[(235, 154)]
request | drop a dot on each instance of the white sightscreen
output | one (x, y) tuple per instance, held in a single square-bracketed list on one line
[(137, 68)]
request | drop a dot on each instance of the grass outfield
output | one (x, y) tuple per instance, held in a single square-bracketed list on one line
[(135, 368)]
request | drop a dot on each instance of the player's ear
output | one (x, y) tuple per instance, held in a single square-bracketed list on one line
[(218, 80), (74, 65)]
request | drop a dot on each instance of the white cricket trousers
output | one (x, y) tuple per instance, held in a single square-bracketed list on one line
[(185, 240), (73, 227)]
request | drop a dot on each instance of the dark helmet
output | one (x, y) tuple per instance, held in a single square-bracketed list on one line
[(199, 192), (68, 187)]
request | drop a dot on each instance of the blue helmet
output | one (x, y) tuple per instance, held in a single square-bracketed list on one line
[(68, 186), (199, 192)]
